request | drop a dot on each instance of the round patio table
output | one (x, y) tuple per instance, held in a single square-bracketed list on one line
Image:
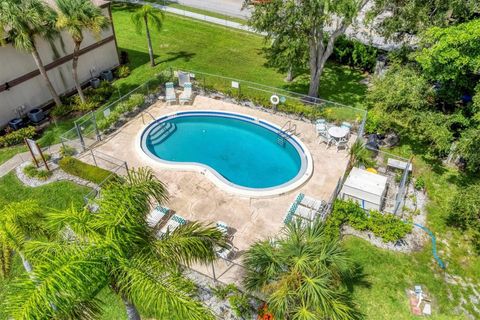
[(337, 132)]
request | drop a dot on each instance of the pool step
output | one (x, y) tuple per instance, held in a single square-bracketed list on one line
[(281, 140), (162, 132)]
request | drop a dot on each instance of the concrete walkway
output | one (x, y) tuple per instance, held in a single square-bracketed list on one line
[(20, 158)]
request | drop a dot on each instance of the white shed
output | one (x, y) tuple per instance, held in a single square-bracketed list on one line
[(366, 188)]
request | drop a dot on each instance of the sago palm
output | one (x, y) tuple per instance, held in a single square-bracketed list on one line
[(76, 17), (21, 21), (146, 15), (301, 274), (20, 222), (115, 248)]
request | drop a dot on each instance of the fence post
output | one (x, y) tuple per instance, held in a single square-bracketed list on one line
[(97, 133), (93, 156), (126, 166), (79, 133)]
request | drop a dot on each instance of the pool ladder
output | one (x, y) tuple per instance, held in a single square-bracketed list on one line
[(286, 131)]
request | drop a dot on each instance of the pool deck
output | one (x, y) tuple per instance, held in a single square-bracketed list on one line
[(195, 197)]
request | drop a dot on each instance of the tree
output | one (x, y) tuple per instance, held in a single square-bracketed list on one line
[(115, 248), (20, 222), (288, 55), (146, 15), (76, 16), (318, 23), (404, 18), (21, 21), (451, 56), (301, 274)]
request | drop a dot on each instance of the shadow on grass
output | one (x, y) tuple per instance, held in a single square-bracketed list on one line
[(356, 278), (178, 55)]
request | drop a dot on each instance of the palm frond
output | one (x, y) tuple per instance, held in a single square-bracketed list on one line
[(149, 285), (190, 243)]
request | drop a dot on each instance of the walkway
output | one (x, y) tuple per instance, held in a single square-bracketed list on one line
[(193, 15), (20, 158)]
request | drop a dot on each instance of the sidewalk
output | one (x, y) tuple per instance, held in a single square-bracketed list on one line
[(193, 15), (20, 158)]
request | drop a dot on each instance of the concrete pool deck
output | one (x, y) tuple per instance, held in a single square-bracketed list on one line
[(195, 197)]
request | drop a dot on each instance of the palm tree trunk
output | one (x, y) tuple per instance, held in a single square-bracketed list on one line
[(76, 51), (150, 49), (132, 312), (289, 77), (26, 263), (43, 72)]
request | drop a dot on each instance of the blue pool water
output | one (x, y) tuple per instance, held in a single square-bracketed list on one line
[(243, 152)]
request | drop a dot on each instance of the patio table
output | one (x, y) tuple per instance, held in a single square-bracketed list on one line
[(337, 132)]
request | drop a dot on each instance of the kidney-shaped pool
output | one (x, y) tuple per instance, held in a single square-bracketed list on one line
[(246, 155)]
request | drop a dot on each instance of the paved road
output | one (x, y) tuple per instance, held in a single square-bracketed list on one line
[(228, 7)]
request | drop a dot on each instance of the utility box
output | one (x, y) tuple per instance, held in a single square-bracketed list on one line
[(365, 188)]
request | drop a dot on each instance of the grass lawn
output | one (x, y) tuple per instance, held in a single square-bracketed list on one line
[(200, 46), (59, 195), (7, 153)]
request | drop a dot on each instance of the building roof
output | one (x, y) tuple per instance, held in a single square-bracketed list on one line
[(366, 181)]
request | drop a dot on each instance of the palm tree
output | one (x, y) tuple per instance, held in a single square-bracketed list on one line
[(21, 21), (75, 16), (359, 154), (301, 274), (115, 248), (20, 222), (145, 15)]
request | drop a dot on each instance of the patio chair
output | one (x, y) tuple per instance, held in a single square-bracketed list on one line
[(348, 126), (321, 128), (325, 137), (170, 93), (342, 143), (226, 252), (186, 95)]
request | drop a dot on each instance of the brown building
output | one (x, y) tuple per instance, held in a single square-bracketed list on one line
[(23, 88)]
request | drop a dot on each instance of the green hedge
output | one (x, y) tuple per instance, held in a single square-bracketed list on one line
[(386, 226), (84, 170), (355, 54), (17, 137)]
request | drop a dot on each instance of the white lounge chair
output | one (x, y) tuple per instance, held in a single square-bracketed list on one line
[(186, 95), (172, 224), (222, 226), (170, 93), (156, 215), (314, 204)]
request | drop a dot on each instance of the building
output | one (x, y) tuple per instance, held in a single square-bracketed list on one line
[(23, 88)]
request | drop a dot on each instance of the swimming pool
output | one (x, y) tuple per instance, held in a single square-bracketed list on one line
[(240, 153)]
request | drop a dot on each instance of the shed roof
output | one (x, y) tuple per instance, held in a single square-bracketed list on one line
[(366, 181)]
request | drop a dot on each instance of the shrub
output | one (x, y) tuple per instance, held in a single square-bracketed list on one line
[(222, 292), (419, 183), (16, 137), (84, 170), (241, 306), (32, 171), (136, 100), (355, 54), (386, 226), (123, 71), (61, 111), (86, 106), (66, 150)]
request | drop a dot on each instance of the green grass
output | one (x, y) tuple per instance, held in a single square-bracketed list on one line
[(84, 170), (195, 45)]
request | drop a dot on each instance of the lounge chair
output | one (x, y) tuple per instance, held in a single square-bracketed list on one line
[(226, 252), (186, 95), (172, 224), (314, 204), (222, 226), (170, 93), (156, 215)]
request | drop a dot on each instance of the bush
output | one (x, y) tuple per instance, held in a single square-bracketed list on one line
[(61, 111), (355, 54), (17, 137), (32, 171), (222, 292), (386, 226), (84, 170), (241, 306), (419, 183), (66, 151), (123, 71), (86, 106)]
